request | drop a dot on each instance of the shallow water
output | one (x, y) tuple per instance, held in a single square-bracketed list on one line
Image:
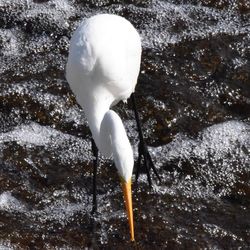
[(194, 100)]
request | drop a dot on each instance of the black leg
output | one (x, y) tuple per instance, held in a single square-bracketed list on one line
[(142, 149), (95, 164)]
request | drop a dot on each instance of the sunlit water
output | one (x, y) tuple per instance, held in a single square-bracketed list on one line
[(194, 99)]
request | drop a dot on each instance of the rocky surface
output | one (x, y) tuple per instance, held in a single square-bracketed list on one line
[(194, 100)]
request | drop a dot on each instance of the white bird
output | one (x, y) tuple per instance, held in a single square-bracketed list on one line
[(102, 69)]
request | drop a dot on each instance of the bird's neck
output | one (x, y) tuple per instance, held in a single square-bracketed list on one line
[(95, 109)]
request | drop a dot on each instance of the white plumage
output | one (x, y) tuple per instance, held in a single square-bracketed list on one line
[(102, 69)]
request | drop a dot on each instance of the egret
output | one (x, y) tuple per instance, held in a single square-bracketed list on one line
[(102, 69)]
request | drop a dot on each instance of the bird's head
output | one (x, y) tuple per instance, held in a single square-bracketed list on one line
[(118, 143)]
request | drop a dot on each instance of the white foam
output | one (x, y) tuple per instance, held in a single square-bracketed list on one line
[(57, 10), (216, 141), (158, 32), (9, 203), (61, 211), (10, 42), (7, 245), (221, 139), (218, 156), (67, 148), (32, 133)]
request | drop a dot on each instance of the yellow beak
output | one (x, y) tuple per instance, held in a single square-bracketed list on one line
[(126, 187)]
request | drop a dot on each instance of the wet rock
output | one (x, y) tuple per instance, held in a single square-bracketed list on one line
[(193, 96)]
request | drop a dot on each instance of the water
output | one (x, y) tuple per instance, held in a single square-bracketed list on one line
[(194, 99)]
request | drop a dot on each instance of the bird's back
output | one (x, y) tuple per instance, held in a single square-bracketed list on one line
[(105, 51)]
